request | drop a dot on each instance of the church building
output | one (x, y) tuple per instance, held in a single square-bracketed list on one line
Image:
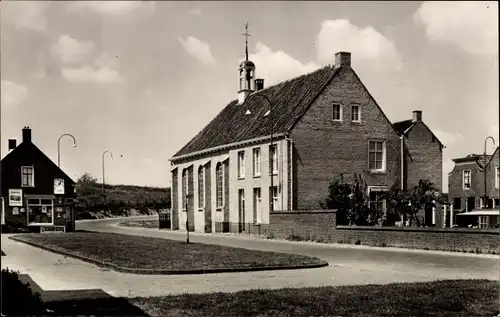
[(278, 148)]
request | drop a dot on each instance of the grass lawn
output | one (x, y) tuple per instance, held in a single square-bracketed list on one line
[(155, 253), (459, 298), (140, 223)]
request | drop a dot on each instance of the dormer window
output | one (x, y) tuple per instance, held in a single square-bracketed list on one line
[(337, 112)]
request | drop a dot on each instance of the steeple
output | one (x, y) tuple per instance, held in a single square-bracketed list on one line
[(246, 72)]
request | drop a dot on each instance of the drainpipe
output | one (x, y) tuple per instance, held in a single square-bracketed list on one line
[(402, 167)]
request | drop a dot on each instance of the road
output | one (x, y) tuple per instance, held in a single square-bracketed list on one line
[(349, 265)]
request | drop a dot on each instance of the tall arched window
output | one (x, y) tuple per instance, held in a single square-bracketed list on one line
[(201, 188), (219, 176)]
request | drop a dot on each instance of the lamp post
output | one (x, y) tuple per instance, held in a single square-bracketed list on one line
[(271, 171), (103, 174), (484, 170), (59, 147)]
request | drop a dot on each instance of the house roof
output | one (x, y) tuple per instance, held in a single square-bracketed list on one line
[(406, 126), (30, 147), (402, 126), (492, 156), (290, 99)]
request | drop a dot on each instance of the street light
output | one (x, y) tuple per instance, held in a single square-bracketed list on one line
[(484, 169), (59, 147), (271, 147)]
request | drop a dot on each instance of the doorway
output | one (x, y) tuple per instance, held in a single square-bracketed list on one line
[(241, 210)]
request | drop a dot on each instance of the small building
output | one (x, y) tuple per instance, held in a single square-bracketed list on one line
[(278, 148), (36, 194), (466, 189)]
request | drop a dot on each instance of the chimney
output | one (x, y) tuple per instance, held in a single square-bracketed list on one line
[(259, 84), (26, 134), (417, 116), (342, 59), (12, 144)]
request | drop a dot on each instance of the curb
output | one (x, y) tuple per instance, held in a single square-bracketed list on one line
[(122, 269)]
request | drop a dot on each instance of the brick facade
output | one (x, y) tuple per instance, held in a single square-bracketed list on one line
[(492, 184), (468, 198), (424, 157), (324, 148)]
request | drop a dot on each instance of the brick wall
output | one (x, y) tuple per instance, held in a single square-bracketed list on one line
[(490, 176), (455, 185), (321, 224), (424, 157), (323, 148)]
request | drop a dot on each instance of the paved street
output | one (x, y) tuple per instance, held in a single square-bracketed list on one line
[(348, 265)]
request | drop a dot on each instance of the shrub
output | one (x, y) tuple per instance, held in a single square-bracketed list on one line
[(17, 297)]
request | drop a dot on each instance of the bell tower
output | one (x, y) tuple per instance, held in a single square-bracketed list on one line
[(246, 73)]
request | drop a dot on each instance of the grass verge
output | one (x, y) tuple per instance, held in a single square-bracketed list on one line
[(140, 224), (457, 298), (146, 255)]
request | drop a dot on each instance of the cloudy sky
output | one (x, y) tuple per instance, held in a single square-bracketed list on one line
[(142, 78)]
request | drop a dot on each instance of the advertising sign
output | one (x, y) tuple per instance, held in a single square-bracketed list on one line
[(15, 197), (58, 186)]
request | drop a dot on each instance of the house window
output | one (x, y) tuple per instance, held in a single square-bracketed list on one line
[(201, 188), (257, 217), (185, 188), (27, 177), (273, 194), (40, 211), (376, 155), (337, 112), (457, 203), (256, 162), (466, 178), (483, 222), (241, 164), (219, 176), (355, 113), (273, 159), (497, 177), (377, 201)]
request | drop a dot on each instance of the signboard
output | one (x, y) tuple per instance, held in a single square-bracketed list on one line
[(15, 211), (15, 197), (58, 186), (52, 229)]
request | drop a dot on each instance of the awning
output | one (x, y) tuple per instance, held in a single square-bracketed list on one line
[(481, 212)]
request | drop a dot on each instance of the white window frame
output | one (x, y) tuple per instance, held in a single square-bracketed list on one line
[(32, 176), (257, 205), (273, 157), (221, 205), (378, 189), (256, 155), (241, 164), (40, 205), (384, 156), (341, 112), (274, 199), (201, 192), (359, 113), (497, 176), (470, 179), (483, 222)]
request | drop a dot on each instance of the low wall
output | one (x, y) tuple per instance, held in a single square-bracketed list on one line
[(320, 225)]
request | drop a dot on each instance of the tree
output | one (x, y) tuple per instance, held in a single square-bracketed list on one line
[(351, 203), (410, 203)]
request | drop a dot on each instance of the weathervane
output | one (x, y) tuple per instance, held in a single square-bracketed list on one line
[(246, 35)]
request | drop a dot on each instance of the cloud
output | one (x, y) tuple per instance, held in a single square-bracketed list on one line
[(90, 74), (198, 49), (470, 26), (25, 14), (195, 11), (13, 94), (276, 66), (71, 50), (447, 138), (106, 60), (111, 7), (369, 48)]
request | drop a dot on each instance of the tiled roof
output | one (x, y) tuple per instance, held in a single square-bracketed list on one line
[(291, 99), (402, 126)]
